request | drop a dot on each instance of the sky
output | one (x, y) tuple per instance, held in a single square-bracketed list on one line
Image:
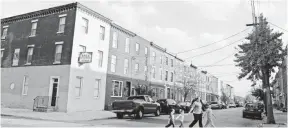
[(183, 25)]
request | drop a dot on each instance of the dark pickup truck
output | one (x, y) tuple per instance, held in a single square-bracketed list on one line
[(138, 105)]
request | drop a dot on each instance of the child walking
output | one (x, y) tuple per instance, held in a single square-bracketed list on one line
[(181, 115), (209, 114), (171, 119)]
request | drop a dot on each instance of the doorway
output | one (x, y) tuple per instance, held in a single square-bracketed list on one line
[(54, 87), (128, 86)]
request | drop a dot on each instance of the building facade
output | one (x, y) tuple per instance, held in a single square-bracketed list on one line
[(40, 59)]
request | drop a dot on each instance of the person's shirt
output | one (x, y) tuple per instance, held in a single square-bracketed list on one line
[(197, 107)]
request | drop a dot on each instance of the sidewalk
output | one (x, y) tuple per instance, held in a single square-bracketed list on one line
[(280, 118), (57, 116)]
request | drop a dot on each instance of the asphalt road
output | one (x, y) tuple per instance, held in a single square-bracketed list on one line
[(231, 117)]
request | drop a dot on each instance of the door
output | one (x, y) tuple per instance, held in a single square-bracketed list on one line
[(54, 91), (128, 86)]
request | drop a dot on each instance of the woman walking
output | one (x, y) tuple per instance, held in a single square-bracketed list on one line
[(197, 108)]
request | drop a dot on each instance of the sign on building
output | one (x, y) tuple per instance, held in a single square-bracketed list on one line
[(85, 57)]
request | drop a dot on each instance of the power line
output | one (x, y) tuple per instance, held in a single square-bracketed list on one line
[(223, 58), (278, 26), (214, 42), (216, 65), (216, 49)]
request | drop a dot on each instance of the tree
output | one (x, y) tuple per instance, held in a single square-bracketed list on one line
[(224, 97), (258, 58), (190, 81), (258, 93)]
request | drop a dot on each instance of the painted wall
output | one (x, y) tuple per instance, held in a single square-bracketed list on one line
[(90, 71), (38, 85)]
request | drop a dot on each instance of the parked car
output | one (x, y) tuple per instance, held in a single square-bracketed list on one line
[(216, 105), (139, 105), (167, 105), (232, 105), (224, 106), (253, 110), (185, 105)]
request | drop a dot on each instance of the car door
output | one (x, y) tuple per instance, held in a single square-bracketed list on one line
[(152, 105)]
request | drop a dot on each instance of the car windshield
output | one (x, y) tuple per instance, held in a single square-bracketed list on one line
[(170, 101), (136, 98), (251, 105), (184, 103)]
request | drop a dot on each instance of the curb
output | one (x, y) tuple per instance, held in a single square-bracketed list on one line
[(67, 121)]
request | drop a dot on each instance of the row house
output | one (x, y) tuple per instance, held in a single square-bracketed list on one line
[(52, 59)]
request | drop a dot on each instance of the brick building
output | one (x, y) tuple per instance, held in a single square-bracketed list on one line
[(41, 59)]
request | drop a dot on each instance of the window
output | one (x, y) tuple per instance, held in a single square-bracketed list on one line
[(153, 72), (100, 59), (34, 27), (146, 50), (82, 48), (29, 55), (4, 32), (58, 52), (157, 92), (78, 86), (62, 21), (16, 57), (166, 75), (137, 47), (115, 40), (85, 25), (25, 85), (166, 60), (126, 66), (154, 56), (97, 88), (161, 60), (133, 91), (171, 62), (136, 67), (113, 63), (2, 53), (172, 76), (160, 72), (127, 45), (117, 88), (102, 33)]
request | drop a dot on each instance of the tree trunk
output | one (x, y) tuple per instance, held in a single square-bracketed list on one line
[(270, 115), (264, 99)]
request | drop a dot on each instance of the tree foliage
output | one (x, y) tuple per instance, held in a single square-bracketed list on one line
[(259, 56), (224, 97), (258, 93)]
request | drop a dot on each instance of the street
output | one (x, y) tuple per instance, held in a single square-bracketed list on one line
[(231, 117)]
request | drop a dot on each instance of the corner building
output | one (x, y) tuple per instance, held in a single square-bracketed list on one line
[(40, 59)]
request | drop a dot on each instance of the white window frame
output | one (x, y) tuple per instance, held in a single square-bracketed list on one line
[(85, 25), (115, 40), (161, 59), (136, 69), (172, 77), (102, 33), (154, 55), (121, 89), (167, 61), (133, 91), (15, 61), (113, 64), (127, 45), (80, 86), (32, 34), (4, 32), (97, 88), (161, 73), (63, 16), (29, 47), (153, 72), (146, 50), (25, 84), (172, 62), (126, 66), (137, 48), (56, 52), (166, 75), (100, 58)]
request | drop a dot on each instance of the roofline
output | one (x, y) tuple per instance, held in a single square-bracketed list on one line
[(158, 47), (122, 29), (53, 10)]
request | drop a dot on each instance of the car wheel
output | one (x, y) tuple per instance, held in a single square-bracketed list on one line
[(157, 113), (139, 114), (119, 115)]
